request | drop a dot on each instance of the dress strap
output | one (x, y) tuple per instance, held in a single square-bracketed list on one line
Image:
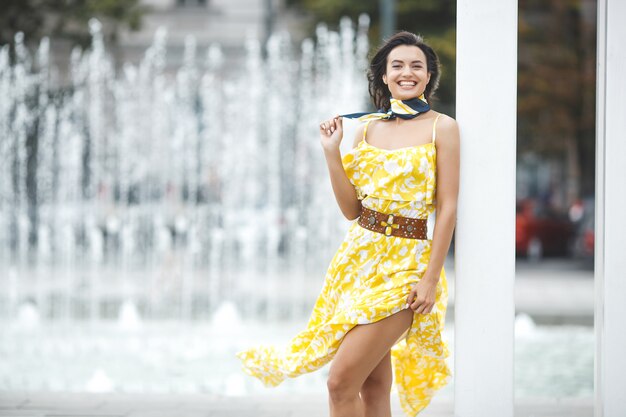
[(365, 128), (434, 127)]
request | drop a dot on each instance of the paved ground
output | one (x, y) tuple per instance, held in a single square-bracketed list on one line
[(145, 405), (555, 291)]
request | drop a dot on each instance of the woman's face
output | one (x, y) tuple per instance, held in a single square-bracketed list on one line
[(406, 74)]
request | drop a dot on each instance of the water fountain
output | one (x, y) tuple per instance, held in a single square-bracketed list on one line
[(141, 193)]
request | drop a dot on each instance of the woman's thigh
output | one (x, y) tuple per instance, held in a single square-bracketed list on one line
[(365, 345)]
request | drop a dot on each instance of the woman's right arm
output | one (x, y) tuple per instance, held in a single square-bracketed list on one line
[(331, 133)]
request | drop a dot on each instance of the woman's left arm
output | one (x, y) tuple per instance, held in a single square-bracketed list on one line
[(423, 294)]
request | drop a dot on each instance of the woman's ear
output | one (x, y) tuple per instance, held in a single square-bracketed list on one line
[(385, 78)]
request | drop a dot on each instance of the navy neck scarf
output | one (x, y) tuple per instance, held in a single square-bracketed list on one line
[(404, 109)]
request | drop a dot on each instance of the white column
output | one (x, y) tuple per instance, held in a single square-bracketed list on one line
[(485, 234), (610, 260)]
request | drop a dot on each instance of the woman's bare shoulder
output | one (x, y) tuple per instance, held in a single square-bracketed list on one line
[(444, 119), (447, 129)]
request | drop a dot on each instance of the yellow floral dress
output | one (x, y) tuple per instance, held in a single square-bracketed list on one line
[(370, 277)]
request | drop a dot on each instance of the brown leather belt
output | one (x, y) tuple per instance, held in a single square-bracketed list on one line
[(392, 224)]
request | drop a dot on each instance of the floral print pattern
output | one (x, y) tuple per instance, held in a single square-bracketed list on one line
[(370, 277)]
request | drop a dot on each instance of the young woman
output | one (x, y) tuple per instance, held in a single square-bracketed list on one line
[(382, 307)]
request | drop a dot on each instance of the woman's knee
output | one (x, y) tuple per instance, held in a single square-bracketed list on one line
[(341, 387)]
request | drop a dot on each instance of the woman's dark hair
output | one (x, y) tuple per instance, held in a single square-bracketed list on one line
[(379, 92)]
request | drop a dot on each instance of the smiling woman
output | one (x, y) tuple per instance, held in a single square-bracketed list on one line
[(382, 307)]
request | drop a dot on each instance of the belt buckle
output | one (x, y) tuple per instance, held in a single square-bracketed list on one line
[(389, 225)]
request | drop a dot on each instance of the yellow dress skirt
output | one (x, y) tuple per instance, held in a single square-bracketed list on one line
[(370, 278)]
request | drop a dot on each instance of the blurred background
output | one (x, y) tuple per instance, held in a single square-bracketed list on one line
[(164, 200)]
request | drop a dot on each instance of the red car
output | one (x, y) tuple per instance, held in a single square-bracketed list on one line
[(540, 231)]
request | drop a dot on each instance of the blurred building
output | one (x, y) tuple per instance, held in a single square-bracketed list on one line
[(225, 22), (228, 23)]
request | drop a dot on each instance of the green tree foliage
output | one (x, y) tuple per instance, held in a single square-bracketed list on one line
[(433, 19), (556, 86), (66, 19)]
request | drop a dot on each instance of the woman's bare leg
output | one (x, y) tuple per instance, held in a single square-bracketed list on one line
[(361, 350), (375, 392)]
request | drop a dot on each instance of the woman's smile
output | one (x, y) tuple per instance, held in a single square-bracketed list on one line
[(407, 85)]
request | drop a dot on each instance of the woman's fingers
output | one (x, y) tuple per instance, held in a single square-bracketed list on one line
[(330, 126), (339, 122), (420, 309), (424, 308), (410, 298), (417, 304)]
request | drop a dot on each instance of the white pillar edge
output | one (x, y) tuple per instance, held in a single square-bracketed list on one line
[(610, 221), (486, 110)]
